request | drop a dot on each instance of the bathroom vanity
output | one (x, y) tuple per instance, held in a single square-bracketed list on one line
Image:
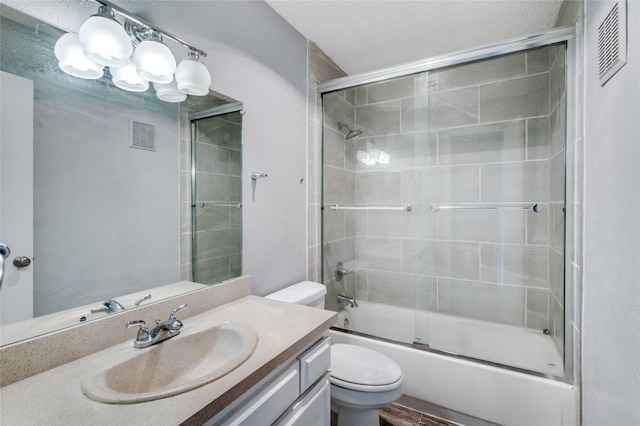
[(296, 393), (283, 381)]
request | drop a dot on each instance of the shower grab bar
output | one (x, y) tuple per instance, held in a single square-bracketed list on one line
[(205, 205), (537, 208), (406, 207)]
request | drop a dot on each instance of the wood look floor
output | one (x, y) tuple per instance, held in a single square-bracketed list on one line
[(398, 415)]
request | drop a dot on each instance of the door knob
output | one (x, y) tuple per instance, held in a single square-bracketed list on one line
[(21, 262)]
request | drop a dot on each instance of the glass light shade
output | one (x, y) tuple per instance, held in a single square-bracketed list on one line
[(193, 77), (105, 41), (127, 78), (169, 92), (362, 157), (73, 61), (154, 61)]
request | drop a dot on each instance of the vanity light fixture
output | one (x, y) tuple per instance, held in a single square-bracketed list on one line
[(73, 61), (127, 78), (192, 76), (169, 92), (373, 156), (154, 60), (104, 40), (135, 53)]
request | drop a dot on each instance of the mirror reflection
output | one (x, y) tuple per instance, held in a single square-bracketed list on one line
[(106, 206)]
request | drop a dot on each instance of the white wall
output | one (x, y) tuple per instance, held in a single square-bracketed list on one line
[(611, 310), (256, 57)]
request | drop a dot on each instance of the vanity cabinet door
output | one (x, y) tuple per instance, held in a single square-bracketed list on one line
[(313, 409), (314, 363), (294, 394), (268, 404)]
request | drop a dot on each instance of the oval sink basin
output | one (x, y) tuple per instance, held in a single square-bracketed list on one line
[(187, 361)]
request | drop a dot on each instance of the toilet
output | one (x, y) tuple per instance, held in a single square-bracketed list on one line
[(362, 380)]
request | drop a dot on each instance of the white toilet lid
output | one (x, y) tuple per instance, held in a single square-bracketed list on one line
[(362, 366)]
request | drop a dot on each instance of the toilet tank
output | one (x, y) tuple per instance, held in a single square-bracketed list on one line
[(304, 293)]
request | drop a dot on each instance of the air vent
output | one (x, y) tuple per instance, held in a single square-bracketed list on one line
[(612, 42), (143, 136)]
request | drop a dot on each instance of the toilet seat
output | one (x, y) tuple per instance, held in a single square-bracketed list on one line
[(365, 388), (361, 369)]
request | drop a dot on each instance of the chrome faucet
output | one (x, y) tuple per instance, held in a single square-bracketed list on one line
[(163, 330), (110, 306), (351, 300), (341, 271)]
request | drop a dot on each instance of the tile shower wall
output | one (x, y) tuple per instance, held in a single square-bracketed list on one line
[(339, 184), (321, 68), (488, 132), (218, 229)]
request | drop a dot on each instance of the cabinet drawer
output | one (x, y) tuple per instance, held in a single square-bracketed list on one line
[(314, 363), (269, 403), (313, 409)]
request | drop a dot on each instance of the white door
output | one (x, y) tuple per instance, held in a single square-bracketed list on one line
[(16, 195)]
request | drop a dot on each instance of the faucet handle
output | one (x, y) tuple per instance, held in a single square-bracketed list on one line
[(142, 299), (143, 333), (100, 309), (176, 310), (341, 271)]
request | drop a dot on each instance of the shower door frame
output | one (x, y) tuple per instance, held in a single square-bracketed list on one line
[(531, 41)]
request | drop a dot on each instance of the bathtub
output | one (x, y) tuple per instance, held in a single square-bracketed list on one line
[(478, 390)]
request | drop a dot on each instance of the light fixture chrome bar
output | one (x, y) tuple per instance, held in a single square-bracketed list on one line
[(406, 207), (537, 208), (555, 35), (205, 205), (130, 16)]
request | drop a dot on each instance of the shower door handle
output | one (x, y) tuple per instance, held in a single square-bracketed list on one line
[(4, 253)]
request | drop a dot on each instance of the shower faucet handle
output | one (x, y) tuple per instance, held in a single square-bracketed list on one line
[(341, 271)]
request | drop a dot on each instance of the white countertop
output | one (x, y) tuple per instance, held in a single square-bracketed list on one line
[(55, 396)]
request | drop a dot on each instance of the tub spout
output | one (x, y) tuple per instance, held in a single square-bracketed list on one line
[(351, 300)]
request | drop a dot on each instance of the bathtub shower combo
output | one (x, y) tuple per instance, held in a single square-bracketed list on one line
[(443, 195)]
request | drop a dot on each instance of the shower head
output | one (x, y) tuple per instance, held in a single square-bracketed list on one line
[(351, 134)]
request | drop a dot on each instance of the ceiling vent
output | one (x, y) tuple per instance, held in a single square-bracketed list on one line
[(143, 136), (612, 42)]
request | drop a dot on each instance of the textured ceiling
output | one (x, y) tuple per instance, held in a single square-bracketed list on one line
[(359, 35), (365, 35)]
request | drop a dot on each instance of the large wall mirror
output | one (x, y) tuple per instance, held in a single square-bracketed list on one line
[(129, 196)]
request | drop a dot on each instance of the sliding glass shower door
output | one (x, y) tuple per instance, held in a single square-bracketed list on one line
[(449, 207)]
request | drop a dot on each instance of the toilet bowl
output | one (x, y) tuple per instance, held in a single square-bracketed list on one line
[(362, 380)]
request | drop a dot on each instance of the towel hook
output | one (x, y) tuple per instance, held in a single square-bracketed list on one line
[(258, 175)]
